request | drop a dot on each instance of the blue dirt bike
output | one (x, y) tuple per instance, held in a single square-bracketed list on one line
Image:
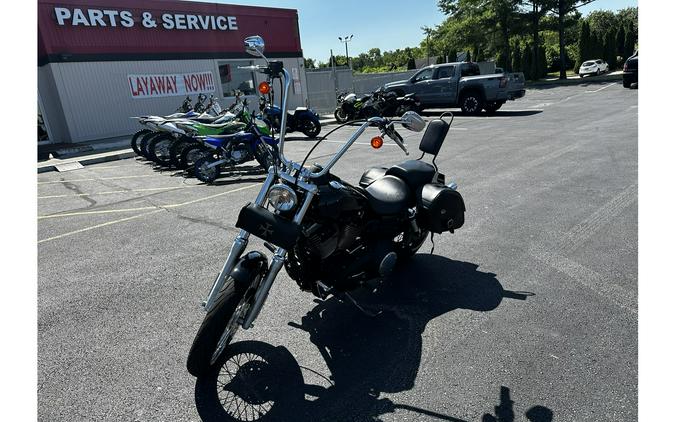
[(237, 148)]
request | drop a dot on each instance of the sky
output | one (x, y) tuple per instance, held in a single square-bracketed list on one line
[(385, 24)]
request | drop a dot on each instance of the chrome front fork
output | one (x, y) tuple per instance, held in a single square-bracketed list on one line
[(237, 249)]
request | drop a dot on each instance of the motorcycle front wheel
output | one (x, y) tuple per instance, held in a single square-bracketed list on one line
[(205, 173), (190, 155), (218, 328), (135, 140), (158, 149), (341, 115)]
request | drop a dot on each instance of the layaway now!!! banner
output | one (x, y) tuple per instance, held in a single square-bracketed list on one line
[(148, 86)]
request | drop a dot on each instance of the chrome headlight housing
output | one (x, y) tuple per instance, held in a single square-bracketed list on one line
[(282, 198)]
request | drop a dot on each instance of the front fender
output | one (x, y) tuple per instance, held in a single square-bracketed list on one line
[(249, 269)]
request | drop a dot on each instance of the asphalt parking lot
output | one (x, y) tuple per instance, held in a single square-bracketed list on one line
[(529, 311)]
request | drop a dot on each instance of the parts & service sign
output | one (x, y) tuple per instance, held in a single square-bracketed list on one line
[(149, 86), (125, 18)]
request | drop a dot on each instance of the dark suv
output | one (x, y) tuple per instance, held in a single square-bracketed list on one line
[(630, 71)]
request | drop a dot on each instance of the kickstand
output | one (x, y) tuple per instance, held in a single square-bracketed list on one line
[(433, 244), (360, 308)]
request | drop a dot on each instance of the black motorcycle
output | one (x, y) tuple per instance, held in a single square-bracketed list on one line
[(380, 103), (389, 104), (331, 237), (302, 119), (350, 107)]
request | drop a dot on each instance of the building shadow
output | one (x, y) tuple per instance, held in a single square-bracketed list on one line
[(369, 349)]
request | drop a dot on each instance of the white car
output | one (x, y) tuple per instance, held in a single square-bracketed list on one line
[(593, 67)]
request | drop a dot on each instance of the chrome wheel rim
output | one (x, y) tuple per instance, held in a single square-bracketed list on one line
[(251, 401), (230, 329)]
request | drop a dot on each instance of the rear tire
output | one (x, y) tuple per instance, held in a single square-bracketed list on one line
[(626, 84), (214, 325), (204, 173), (493, 106), (311, 128), (471, 103), (135, 139)]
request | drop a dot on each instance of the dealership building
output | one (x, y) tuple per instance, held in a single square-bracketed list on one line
[(102, 61)]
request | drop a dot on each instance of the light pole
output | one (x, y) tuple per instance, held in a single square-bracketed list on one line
[(346, 40)]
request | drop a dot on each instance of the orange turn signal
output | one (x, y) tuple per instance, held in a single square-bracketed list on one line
[(376, 142), (264, 87)]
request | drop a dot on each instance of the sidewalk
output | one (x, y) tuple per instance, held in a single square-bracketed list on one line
[(64, 157)]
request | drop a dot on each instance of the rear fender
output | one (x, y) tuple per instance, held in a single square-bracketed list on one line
[(250, 269), (306, 115)]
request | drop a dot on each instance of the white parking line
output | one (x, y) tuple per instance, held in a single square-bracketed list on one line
[(109, 223), (151, 207), (99, 178), (116, 191), (604, 87)]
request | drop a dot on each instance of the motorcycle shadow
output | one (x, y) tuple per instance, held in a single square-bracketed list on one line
[(366, 355)]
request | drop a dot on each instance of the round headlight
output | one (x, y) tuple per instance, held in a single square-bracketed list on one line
[(282, 198)]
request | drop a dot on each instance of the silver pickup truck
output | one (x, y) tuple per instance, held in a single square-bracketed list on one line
[(461, 85)]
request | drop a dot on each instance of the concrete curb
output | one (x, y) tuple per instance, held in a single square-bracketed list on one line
[(575, 81), (99, 158), (45, 167)]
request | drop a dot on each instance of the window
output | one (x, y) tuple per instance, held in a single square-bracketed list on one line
[(598, 61), (445, 72), (470, 69), (233, 79), (423, 75)]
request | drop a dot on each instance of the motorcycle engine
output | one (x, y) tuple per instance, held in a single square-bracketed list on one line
[(332, 231), (240, 153)]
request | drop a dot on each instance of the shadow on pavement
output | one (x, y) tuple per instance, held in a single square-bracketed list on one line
[(366, 355), (498, 113)]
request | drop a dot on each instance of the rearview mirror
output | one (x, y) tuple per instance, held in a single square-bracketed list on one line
[(255, 45), (413, 121)]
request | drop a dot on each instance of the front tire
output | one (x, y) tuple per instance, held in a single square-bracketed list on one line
[(191, 154), (205, 173), (471, 103), (135, 139), (158, 149), (341, 115), (218, 328)]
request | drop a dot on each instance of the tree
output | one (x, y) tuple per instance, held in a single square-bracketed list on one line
[(610, 49), (584, 45), (526, 63), (631, 36), (309, 63), (620, 41), (411, 63), (452, 56), (517, 58), (560, 11)]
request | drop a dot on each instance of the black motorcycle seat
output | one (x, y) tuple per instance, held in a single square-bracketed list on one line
[(388, 195), (415, 173), (371, 175)]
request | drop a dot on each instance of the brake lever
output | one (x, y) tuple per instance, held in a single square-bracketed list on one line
[(396, 137)]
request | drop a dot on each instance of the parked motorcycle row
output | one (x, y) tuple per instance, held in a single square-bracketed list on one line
[(204, 140), (332, 237), (378, 104)]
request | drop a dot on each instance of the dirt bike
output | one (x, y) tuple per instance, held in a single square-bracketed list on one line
[(332, 237)]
